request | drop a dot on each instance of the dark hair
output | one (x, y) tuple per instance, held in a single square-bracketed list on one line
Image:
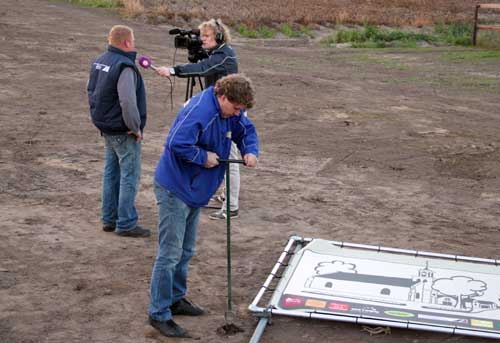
[(238, 89)]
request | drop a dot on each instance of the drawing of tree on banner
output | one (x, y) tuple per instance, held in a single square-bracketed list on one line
[(461, 288)]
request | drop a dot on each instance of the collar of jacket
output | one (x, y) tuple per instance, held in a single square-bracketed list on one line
[(131, 55), (216, 101), (216, 48)]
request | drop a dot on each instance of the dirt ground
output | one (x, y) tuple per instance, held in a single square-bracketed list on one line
[(398, 148)]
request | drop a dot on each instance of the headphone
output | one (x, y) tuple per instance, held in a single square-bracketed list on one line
[(219, 36)]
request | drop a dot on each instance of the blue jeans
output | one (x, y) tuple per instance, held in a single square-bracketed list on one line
[(120, 181), (177, 227)]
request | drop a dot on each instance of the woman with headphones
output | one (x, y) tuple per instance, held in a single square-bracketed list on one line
[(221, 61)]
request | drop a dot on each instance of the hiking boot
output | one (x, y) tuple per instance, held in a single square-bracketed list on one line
[(169, 328), (135, 232), (108, 228), (221, 214), (185, 307)]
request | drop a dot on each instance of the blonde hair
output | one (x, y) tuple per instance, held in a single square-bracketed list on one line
[(238, 89), (216, 26), (118, 34)]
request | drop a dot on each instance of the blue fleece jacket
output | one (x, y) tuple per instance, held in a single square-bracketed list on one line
[(198, 128)]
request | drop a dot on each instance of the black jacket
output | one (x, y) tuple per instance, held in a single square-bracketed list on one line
[(220, 62)]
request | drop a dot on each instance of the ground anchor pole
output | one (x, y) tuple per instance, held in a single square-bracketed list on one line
[(229, 316)]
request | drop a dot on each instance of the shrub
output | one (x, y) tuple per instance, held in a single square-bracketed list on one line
[(288, 31), (262, 32), (374, 37), (266, 32), (247, 32), (457, 34)]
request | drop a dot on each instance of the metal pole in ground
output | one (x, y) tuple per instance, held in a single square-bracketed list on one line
[(229, 315), (228, 241)]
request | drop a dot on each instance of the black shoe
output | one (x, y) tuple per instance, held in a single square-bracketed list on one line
[(185, 307), (135, 232), (108, 228), (169, 328)]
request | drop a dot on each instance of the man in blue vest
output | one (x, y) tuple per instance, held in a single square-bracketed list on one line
[(186, 177), (117, 99)]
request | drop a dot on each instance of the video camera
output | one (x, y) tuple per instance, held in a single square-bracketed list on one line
[(190, 40)]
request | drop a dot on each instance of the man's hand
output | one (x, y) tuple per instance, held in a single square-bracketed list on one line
[(250, 160), (138, 135), (163, 71), (212, 160)]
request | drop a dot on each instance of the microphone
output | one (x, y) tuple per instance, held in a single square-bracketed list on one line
[(175, 31), (145, 62)]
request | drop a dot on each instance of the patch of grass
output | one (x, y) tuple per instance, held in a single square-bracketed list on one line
[(97, 3), (348, 36), (468, 82), (288, 31), (478, 82), (488, 39), (455, 34), (470, 55), (262, 32), (303, 30), (266, 32), (245, 31), (381, 44), (374, 37), (306, 31), (388, 63)]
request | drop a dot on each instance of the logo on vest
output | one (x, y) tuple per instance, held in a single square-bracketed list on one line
[(103, 67)]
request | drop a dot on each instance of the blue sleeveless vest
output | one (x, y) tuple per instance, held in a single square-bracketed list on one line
[(105, 108)]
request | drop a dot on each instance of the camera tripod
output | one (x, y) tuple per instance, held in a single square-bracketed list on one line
[(191, 83)]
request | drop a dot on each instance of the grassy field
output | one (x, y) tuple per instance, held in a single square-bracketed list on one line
[(260, 12), (378, 12), (380, 23)]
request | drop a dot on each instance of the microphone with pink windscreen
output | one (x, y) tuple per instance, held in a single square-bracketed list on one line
[(145, 62)]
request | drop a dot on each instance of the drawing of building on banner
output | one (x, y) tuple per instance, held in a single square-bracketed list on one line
[(456, 293)]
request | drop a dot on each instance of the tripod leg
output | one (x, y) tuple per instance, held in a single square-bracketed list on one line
[(201, 84), (193, 83), (187, 89)]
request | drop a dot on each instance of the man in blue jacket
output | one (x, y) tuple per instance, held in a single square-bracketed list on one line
[(186, 177), (117, 100), (221, 61)]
